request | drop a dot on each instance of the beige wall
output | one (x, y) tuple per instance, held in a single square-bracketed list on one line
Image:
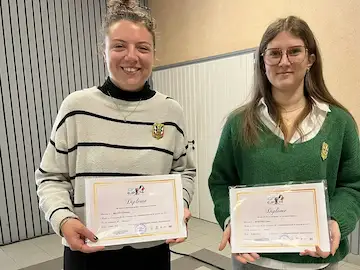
[(191, 29)]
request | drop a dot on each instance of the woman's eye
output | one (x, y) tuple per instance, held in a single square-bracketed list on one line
[(144, 49), (295, 51), (274, 53)]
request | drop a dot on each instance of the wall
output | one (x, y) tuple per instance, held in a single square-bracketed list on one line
[(196, 87), (47, 50), (191, 29)]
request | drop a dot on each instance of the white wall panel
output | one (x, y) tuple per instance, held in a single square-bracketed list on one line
[(181, 85), (208, 91)]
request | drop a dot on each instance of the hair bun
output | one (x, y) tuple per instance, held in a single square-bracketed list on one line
[(122, 4)]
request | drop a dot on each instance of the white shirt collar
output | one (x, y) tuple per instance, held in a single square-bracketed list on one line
[(310, 126), (317, 104)]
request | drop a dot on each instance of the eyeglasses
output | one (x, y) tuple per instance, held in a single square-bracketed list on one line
[(273, 56)]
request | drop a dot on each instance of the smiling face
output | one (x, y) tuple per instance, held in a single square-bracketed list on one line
[(286, 62), (129, 54)]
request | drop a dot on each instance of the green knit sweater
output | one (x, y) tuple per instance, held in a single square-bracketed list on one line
[(269, 161)]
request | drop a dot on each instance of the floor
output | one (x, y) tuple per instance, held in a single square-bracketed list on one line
[(44, 253)]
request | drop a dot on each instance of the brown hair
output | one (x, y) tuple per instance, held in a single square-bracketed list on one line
[(127, 10), (314, 85)]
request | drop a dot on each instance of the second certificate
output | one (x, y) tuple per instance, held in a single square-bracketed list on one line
[(284, 218)]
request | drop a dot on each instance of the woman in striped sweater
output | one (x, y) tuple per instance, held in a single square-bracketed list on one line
[(111, 130)]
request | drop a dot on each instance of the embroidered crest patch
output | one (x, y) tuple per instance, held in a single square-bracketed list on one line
[(158, 131)]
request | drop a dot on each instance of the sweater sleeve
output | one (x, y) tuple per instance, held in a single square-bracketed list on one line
[(223, 175), (52, 177), (183, 162), (345, 204)]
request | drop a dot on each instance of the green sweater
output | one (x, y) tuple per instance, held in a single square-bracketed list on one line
[(269, 161)]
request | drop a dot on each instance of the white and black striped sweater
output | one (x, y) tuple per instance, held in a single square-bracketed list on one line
[(90, 138)]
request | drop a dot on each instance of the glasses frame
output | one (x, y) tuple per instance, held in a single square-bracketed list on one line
[(286, 53)]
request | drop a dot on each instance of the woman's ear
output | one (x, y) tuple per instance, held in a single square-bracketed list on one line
[(312, 59), (105, 57)]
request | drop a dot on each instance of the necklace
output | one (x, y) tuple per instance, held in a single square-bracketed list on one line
[(119, 109), (288, 121), (291, 115), (294, 110)]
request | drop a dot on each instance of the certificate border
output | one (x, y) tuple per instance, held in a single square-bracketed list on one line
[(238, 194), (95, 205)]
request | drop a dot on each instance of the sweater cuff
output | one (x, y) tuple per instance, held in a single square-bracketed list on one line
[(227, 222), (58, 217), (186, 204), (339, 215)]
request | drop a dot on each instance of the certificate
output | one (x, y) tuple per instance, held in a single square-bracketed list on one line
[(279, 219), (126, 210)]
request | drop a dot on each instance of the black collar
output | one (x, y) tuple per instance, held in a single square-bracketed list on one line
[(116, 92)]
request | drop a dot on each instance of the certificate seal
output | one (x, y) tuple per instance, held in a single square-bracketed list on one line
[(140, 229)]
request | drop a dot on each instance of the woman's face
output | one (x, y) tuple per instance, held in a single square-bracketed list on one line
[(129, 54), (286, 61)]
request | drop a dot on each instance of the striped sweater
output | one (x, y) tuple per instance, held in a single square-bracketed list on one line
[(90, 138)]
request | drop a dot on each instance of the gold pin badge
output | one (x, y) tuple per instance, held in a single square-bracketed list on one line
[(158, 131), (324, 151)]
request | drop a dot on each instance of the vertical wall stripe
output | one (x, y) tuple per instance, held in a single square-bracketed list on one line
[(75, 44), (54, 45), (87, 36), (36, 118), (68, 47), (12, 118), (5, 211), (48, 49), (98, 27), (102, 15), (30, 108), (81, 44), (3, 204), (93, 30), (25, 84), (63, 78)]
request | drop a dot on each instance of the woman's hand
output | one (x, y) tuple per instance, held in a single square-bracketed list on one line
[(242, 257), (335, 237), (75, 234), (187, 216)]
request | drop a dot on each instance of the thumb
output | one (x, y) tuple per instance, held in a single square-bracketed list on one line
[(88, 234), (335, 243), (225, 239)]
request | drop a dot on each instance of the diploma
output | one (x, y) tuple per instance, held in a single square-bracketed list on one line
[(279, 219), (126, 210)]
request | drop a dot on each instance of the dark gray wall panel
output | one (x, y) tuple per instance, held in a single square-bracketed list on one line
[(12, 126), (48, 49)]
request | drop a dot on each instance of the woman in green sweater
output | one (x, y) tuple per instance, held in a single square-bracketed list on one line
[(278, 137)]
